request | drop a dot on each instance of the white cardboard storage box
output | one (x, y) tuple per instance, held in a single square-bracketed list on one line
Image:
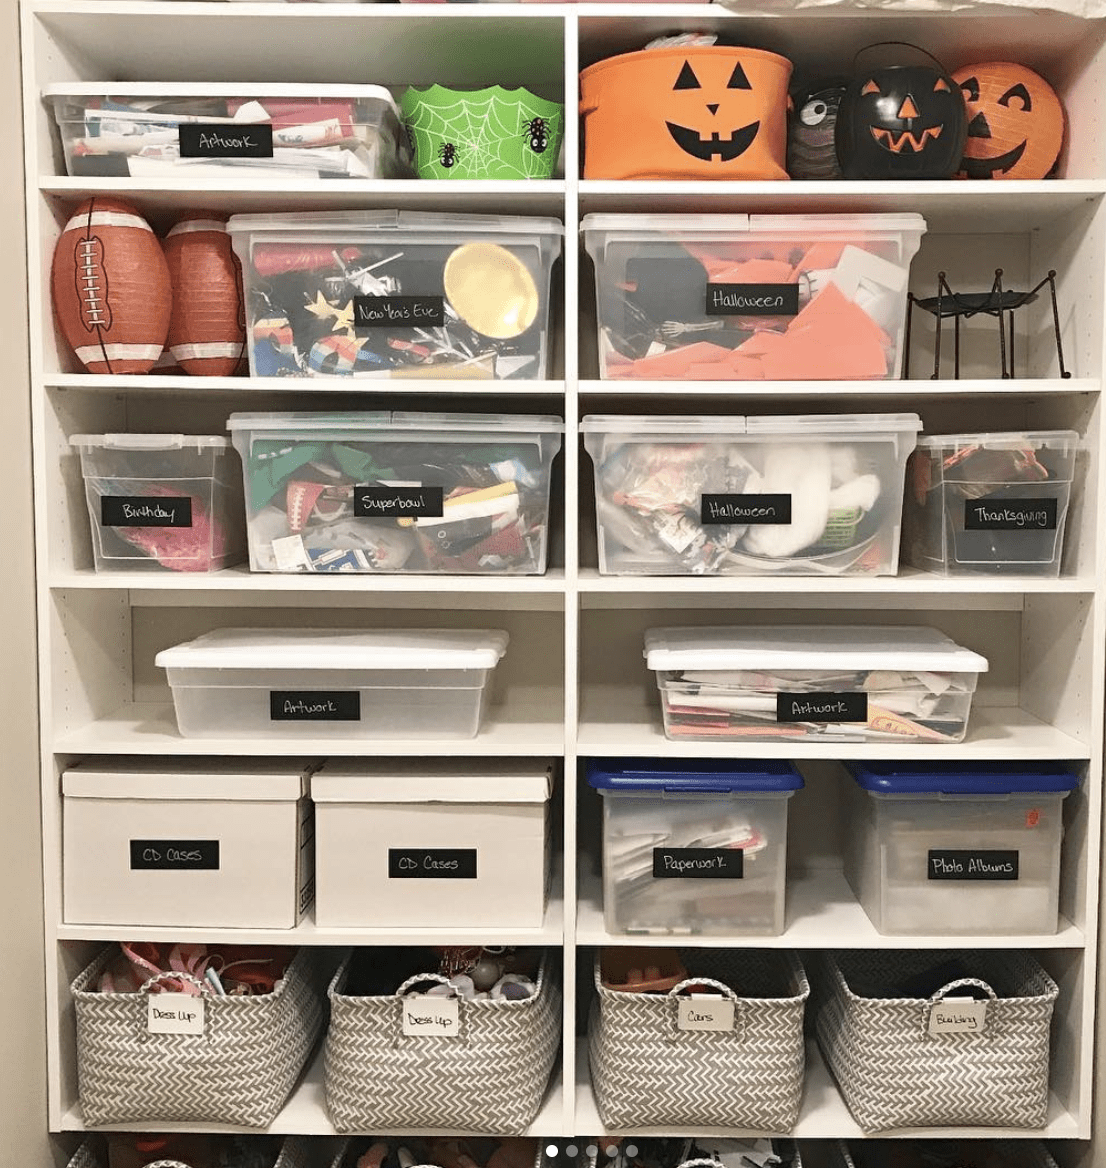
[(432, 843), (191, 842)]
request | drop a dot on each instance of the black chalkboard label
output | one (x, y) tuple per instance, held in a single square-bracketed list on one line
[(752, 300), (397, 502), (398, 311), (994, 513), (973, 864), (174, 855), (145, 511), (314, 705), (698, 863), (746, 509), (822, 707), (219, 140), (431, 863)]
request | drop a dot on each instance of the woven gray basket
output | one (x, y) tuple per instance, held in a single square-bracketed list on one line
[(293, 1154), (491, 1077), (240, 1070), (893, 1073), (646, 1072)]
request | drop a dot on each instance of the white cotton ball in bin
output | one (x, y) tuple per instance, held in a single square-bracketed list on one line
[(513, 987), (804, 471)]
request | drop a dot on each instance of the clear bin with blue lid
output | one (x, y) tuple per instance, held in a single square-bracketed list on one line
[(957, 848), (696, 846)]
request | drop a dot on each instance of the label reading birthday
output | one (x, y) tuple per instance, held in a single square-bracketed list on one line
[(974, 864), (752, 300), (298, 705), (174, 1014), (698, 863), (958, 1016), (704, 1012), (431, 863), (745, 509), (426, 1015), (822, 707), (218, 140), (397, 502), (994, 513), (145, 511), (174, 855), (398, 311)]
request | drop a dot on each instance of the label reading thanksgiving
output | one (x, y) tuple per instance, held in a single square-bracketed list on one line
[(752, 300), (994, 513)]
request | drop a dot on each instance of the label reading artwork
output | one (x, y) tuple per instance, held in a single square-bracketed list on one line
[(698, 863), (975, 864), (431, 863), (436, 1017), (752, 300), (145, 511), (398, 311), (822, 707), (397, 502), (958, 1016), (704, 1012), (320, 705), (994, 513), (174, 1014), (174, 855), (218, 140), (745, 509)]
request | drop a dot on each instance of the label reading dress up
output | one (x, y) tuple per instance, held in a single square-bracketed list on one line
[(218, 140), (993, 513), (752, 300), (754, 510), (426, 1015), (431, 863), (397, 502), (174, 855), (822, 707), (398, 311), (295, 705), (698, 864), (174, 1014), (975, 864), (145, 511)]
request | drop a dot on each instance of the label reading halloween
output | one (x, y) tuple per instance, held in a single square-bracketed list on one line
[(218, 140), (174, 1014), (174, 855), (822, 707), (145, 511), (958, 1016), (994, 513), (745, 509), (397, 502), (698, 864), (704, 1012), (398, 311), (426, 1014), (431, 863), (298, 705), (975, 864), (752, 300)]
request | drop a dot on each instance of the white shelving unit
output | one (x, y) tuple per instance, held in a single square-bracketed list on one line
[(574, 683)]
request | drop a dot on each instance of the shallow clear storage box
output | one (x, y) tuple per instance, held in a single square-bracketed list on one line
[(449, 494), (397, 294), (790, 495), (819, 683), (751, 297)]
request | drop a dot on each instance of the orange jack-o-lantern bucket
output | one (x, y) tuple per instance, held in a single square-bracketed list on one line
[(695, 112)]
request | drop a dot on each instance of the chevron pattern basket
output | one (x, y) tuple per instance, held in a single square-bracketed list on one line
[(293, 1154), (491, 1077), (648, 1073), (240, 1070), (894, 1073)]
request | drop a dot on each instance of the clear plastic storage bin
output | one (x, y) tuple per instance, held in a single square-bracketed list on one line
[(743, 496), (332, 683), (748, 297), (397, 294), (957, 848), (694, 847), (847, 683), (148, 129), (990, 503), (155, 501), (397, 492)]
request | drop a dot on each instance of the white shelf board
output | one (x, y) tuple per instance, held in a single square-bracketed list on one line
[(822, 913), (914, 388)]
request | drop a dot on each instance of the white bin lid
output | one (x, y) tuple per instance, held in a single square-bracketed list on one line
[(240, 780), (167, 90), (385, 421), (703, 426), (1008, 440), (492, 780), (902, 647), (812, 228), (351, 223), (339, 649), (149, 442)]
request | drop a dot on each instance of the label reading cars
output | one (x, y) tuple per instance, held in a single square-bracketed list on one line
[(398, 311), (752, 300), (218, 140), (314, 705), (397, 502), (822, 707), (174, 1014), (976, 864), (958, 1016), (704, 1012), (431, 863), (994, 513), (426, 1015), (698, 863), (174, 855), (145, 511), (745, 509)]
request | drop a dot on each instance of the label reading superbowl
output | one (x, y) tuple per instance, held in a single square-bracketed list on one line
[(698, 863), (397, 502), (994, 513), (174, 1014), (704, 1012), (431, 863), (218, 140), (296, 705), (398, 311), (174, 855), (976, 864), (958, 1016), (822, 707), (752, 300), (438, 1017), (745, 509), (145, 511)]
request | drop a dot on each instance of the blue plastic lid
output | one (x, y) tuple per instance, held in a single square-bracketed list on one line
[(949, 778), (719, 776)]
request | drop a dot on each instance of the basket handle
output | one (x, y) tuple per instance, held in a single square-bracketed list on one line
[(399, 1037), (905, 44), (674, 1000), (945, 990), (176, 975), (700, 1163)]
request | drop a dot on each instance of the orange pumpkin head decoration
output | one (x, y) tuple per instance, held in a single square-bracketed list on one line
[(1015, 122)]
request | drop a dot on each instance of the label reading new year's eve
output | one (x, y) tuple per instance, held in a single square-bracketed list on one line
[(972, 864), (397, 502), (745, 509), (958, 1016), (698, 864), (145, 511), (431, 863), (149, 855), (994, 513), (822, 707), (330, 705), (218, 140), (752, 300), (398, 311)]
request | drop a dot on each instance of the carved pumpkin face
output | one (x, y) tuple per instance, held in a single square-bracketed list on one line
[(811, 150), (1015, 122), (901, 121)]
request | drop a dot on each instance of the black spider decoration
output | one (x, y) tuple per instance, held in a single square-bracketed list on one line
[(538, 132), (447, 154)]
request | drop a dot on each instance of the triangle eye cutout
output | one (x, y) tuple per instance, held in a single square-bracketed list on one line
[(738, 80), (687, 78)]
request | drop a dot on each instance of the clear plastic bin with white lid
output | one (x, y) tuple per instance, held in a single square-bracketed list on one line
[(990, 503), (843, 683), (397, 491), (132, 129), (751, 297), (694, 846), (397, 294), (817, 494), (957, 848), (333, 683)]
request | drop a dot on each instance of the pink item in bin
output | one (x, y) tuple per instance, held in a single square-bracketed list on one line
[(198, 548)]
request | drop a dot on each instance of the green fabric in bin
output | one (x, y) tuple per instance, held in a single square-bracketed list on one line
[(273, 463)]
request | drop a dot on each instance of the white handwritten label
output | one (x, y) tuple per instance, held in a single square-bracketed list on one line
[(174, 1014), (958, 1016), (427, 1015), (705, 1012)]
